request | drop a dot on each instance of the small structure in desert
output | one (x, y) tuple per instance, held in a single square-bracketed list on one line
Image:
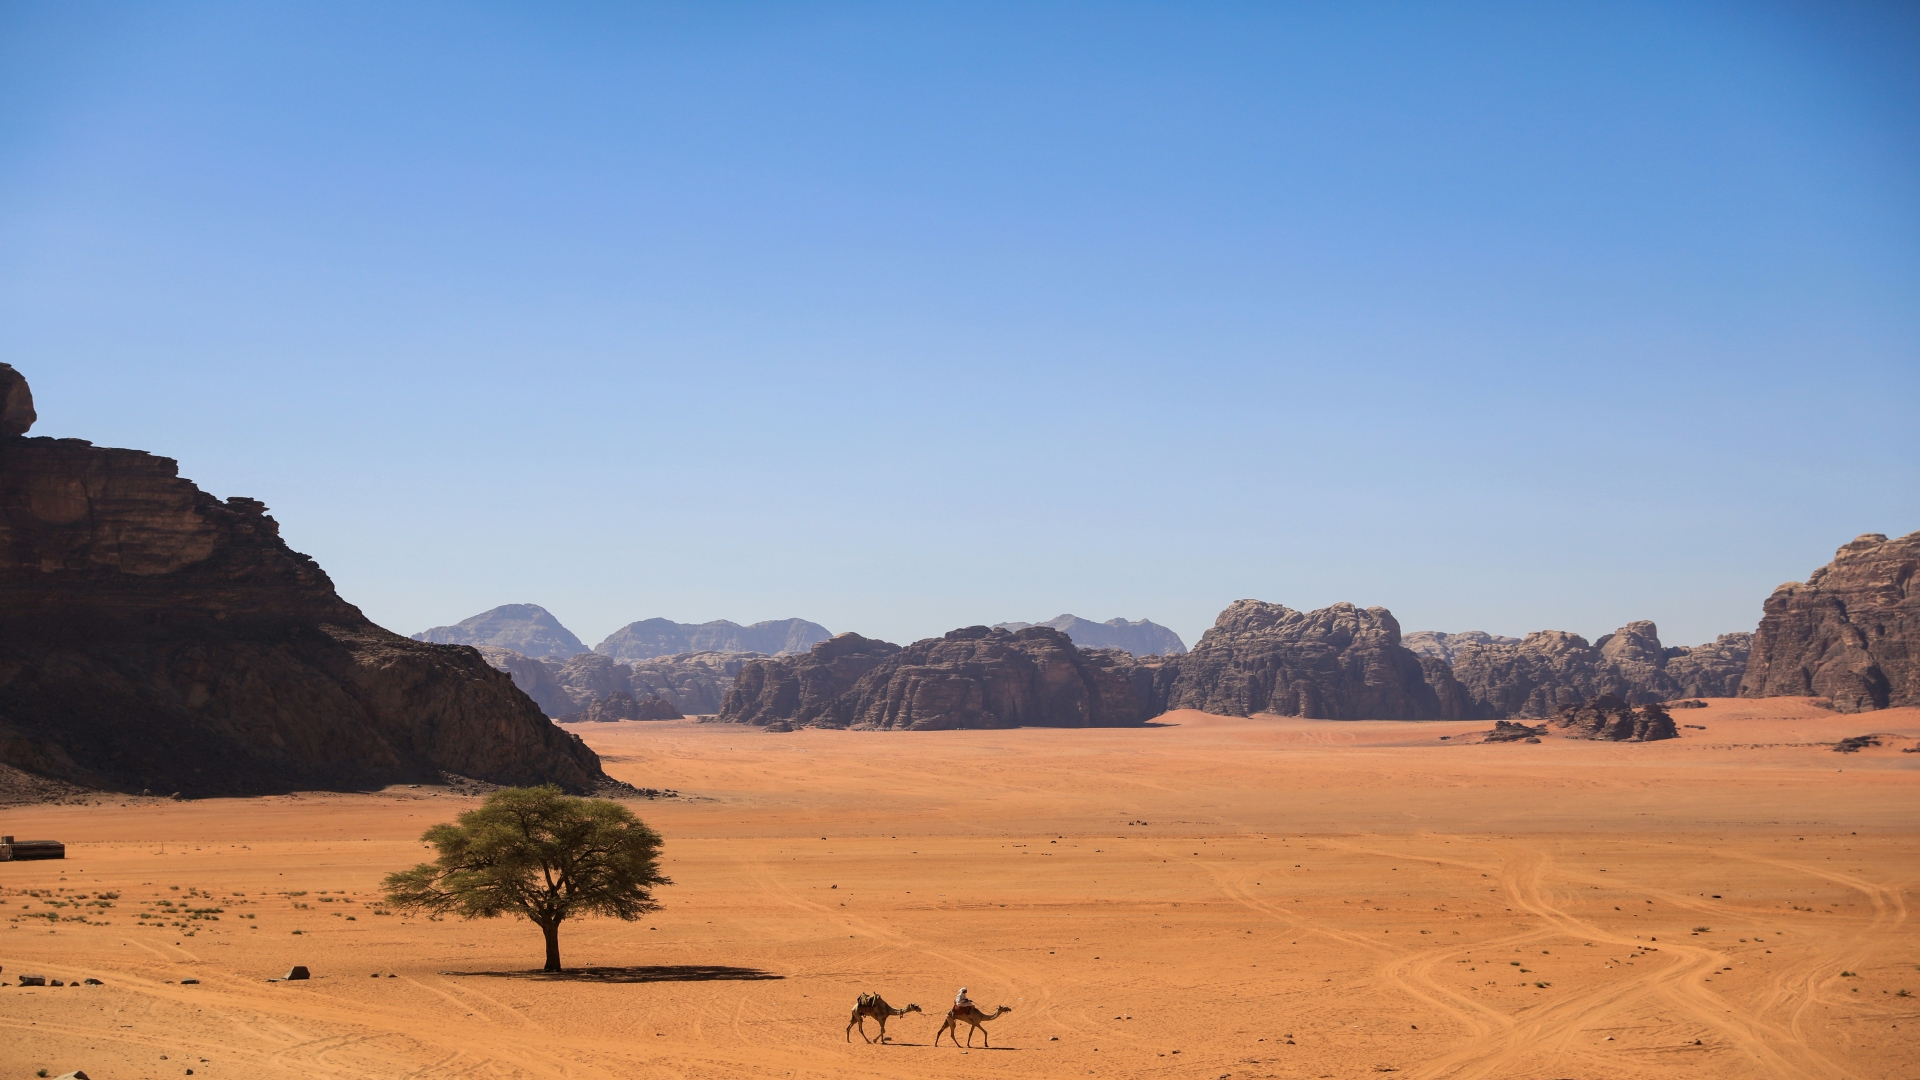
[(12, 850)]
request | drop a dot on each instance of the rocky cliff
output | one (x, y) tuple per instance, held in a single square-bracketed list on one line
[(154, 637), (621, 705), (695, 683), (1337, 663), (1850, 633), (650, 638), (975, 677), (527, 629), (1141, 638), (1549, 670), (1609, 719)]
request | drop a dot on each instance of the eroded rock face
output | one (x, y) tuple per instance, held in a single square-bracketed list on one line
[(1337, 663), (1609, 719), (805, 689), (152, 636), (621, 705), (694, 684), (1552, 669), (16, 402), (1850, 633), (974, 677)]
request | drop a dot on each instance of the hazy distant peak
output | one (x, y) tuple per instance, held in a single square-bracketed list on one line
[(528, 629), (1141, 638), (649, 638)]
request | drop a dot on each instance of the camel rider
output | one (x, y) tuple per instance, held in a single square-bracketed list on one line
[(961, 1002)]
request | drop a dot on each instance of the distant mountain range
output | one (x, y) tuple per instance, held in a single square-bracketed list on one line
[(1141, 638), (531, 630)]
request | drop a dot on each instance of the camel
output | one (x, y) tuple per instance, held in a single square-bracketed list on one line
[(875, 1006), (973, 1018)]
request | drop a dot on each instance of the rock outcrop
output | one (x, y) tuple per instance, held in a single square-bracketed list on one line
[(1850, 633), (650, 638), (621, 705), (976, 677), (1141, 638), (694, 684), (1549, 670), (1440, 646), (527, 629), (16, 403), (806, 689), (1609, 719), (154, 637), (1337, 663)]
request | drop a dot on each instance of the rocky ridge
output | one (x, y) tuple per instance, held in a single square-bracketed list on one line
[(1850, 633), (154, 637), (694, 684), (527, 629), (652, 638), (974, 677), (1551, 669), (1141, 638)]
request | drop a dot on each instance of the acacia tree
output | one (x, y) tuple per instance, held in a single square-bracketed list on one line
[(541, 853)]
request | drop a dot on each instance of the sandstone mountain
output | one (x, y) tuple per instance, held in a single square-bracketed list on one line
[(695, 683), (650, 638), (527, 629), (1337, 663), (1142, 638), (154, 637), (1551, 669), (621, 705), (1440, 646), (1850, 633), (974, 677)]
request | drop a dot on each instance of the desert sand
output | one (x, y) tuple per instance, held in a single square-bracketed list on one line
[(1211, 897)]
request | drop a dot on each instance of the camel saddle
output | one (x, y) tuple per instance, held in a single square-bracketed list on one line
[(868, 1000)]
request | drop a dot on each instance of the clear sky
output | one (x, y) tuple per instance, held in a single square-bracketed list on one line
[(902, 317)]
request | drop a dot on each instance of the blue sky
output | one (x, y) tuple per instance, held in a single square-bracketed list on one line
[(906, 317)]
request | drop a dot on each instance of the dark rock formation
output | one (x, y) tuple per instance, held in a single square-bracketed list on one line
[(1440, 646), (1551, 669), (16, 403), (1338, 663), (971, 678), (1142, 638), (1850, 634), (538, 679), (805, 689), (695, 683), (527, 629), (1503, 731), (621, 705), (152, 636), (651, 638), (1610, 719)]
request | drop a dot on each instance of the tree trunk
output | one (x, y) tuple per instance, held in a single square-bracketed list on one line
[(552, 931)]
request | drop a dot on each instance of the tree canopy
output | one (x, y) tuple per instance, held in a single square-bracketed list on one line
[(541, 853)]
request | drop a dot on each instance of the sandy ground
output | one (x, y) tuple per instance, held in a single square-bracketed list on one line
[(1209, 898)]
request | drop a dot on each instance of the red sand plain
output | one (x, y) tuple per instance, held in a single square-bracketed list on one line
[(1214, 897)]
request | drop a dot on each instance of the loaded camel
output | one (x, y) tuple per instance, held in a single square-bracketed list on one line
[(875, 1006), (970, 1015)]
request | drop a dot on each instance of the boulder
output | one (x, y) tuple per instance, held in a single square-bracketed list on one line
[(296, 972), (1338, 663), (154, 637), (1850, 633)]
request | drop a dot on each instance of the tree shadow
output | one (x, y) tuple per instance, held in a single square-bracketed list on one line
[(650, 973)]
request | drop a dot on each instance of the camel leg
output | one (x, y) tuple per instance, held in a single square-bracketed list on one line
[(852, 1021), (984, 1041), (945, 1029), (883, 1028)]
